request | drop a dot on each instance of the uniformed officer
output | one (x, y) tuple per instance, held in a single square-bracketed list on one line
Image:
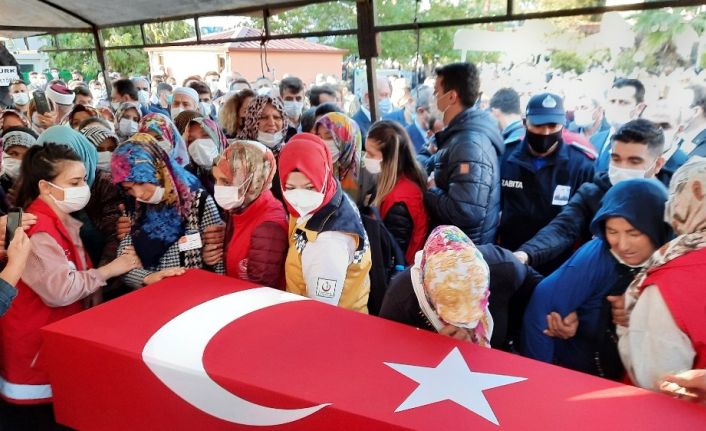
[(540, 175)]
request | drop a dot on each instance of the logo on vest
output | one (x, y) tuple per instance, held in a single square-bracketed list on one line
[(325, 288), (512, 184)]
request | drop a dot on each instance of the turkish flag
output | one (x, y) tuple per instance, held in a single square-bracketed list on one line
[(121, 366)]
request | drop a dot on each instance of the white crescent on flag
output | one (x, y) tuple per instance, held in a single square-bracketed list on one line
[(179, 345)]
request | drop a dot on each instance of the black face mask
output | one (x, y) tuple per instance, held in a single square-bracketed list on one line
[(540, 144)]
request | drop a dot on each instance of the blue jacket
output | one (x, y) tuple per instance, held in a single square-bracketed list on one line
[(159, 110), (512, 135), (418, 140), (467, 176), (532, 197), (364, 123), (397, 115), (7, 294), (602, 146), (700, 142)]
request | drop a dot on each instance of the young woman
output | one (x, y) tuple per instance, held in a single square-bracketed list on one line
[(329, 255), (171, 211), (127, 120), (54, 283), (232, 115), (666, 331), (628, 228), (342, 135), (161, 128), (400, 185), (105, 142), (205, 141), (256, 235)]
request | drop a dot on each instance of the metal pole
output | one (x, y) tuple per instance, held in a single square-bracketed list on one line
[(100, 54), (369, 49)]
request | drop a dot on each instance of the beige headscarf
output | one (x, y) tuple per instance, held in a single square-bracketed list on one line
[(249, 163)]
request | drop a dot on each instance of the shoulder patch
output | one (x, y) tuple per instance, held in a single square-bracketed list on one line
[(325, 288)]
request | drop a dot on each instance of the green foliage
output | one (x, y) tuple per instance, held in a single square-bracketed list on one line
[(568, 61)]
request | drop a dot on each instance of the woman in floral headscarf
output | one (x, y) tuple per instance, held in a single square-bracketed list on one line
[(79, 114), (342, 135), (256, 234), (127, 120), (205, 141), (171, 210), (161, 128), (667, 327)]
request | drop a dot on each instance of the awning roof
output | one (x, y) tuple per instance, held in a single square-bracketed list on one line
[(20, 18)]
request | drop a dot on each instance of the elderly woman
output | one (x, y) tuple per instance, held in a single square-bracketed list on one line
[(16, 141), (163, 130), (204, 141), (667, 325), (342, 135), (127, 120), (256, 238), (172, 211), (105, 142)]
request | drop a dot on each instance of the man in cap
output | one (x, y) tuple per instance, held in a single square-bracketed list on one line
[(540, 175), (184, 99), (63, 99)]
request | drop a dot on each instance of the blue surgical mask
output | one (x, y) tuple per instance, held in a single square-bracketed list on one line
[(385, 106)]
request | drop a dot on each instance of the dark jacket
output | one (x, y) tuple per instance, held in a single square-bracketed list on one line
[(399, 222), (102, 211), (532, 197), (467, 176), (418, 140), (363, 122), (507, 275), (700, 142), (571, 226), (398, 116)]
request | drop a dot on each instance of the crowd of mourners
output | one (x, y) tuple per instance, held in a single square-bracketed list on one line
[(571, 230)]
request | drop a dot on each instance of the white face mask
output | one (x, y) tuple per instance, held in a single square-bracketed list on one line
[(213, 86), (166, 146), (293, 109), (115, 106), (583, 117), (203, 152), (176, 111), (264, 91), (155, 198), (374, 166), (304, 201), (617, 174), (104, 160), (335, 153), (127, 127), (143, 97), (20, 98), (228, 197), (205, 108), (10, 166), (270, 140), (75, 198)]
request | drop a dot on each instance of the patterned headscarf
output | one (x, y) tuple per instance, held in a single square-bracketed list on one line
[(252, 117), (120, 113), (686, 212), (212, 130), (141, 160), (248, 162), (184, 118), (15, 112), (64, 135), (18, 136), (93, 112), (162, 126), (456, 279), (97, 134), (348, 142)]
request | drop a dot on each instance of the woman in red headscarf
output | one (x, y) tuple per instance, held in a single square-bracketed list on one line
[(329, 254)]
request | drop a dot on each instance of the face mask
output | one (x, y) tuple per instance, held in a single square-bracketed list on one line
[(540, 144), (20, 98), (213, 86), (617, 115), (154, 100), (304, 201), (270, 140), (143, 97), (331, 144), (441, 112), (75, 198), (264, 91), (617, 174), (385, 106), (228, 197), (155, 198), (166, 146), (127, 127), (203, 152), (176, 111), (292, 108), (11, 167), (104, 160), (169, 99), (583, 118), (374, 166), (205, 108), (115, 106)]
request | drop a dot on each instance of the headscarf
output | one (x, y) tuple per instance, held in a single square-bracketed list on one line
[(212, 130), (161, 125), (184, 118), (455, 280), (141, 160), (254, 162), (120, 113), (252, 118), (348, 141), (15, 112), (686, 212), (93, 112), (64, 135), (97, 134), (18, 136), (308, 154)]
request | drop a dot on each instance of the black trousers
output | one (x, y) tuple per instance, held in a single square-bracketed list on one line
[(39, 417)]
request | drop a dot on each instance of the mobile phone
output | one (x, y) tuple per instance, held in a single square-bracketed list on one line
[(14, 220), (41, 102)]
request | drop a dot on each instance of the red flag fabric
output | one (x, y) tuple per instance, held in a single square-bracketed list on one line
[(150, 361)]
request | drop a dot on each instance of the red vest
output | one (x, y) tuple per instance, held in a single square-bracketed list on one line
[(681, 284), (22, 379), (266, 208), (411, 195)]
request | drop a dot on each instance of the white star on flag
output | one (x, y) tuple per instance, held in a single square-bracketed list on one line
[(452, 380)]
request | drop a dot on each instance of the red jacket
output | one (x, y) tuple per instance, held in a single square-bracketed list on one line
[(680, 282), (409, 193), (258, 242), (23, 379)]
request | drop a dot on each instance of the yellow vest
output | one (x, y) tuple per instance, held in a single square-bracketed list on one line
[(356, 288)]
